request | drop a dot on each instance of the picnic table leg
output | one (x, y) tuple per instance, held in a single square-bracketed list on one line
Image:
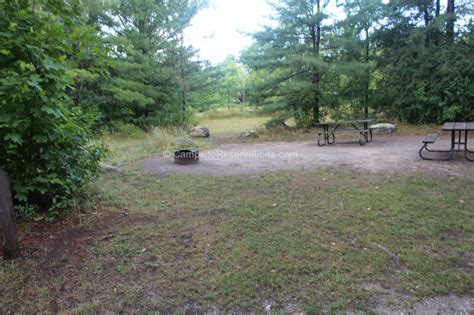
[(425, 147), (366, 127), (450, 151), (466, 149), (318, 140), (325, 137), (459, 140), (453, 140)]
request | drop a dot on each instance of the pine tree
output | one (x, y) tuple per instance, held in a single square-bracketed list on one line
[(291, 55), (147, 70), (427, 67), (356, 50)]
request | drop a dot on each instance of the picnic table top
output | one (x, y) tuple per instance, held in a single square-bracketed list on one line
[(458, 126), (340, 122)]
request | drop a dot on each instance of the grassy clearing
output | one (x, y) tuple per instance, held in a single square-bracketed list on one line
[(232, 120), (128, 148), (300, 241), (236, 125), (130, 144)]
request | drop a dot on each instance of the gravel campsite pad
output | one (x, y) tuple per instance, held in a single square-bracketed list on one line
[(385, 154)]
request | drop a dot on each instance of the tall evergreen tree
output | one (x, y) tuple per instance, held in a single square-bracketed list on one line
[(145, 41), (427, 69), (291, 53), (357, 51)]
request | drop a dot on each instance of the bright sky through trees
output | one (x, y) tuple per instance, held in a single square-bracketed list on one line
[(220, 30)]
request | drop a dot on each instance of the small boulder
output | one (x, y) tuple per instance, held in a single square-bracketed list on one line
[(249, 134), (199, 131), (109, 169), (384, 127), (276, 125)]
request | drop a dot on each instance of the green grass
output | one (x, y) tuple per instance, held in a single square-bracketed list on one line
[(130, 144), (233, 120), (126, 149), (305, 239), (236, 125), (408, 129)]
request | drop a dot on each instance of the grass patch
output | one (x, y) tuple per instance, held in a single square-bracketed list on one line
[(126, 149), (232, 120), (235, 125), (229, 112), (302, 239), (235, 120), (408, 129)]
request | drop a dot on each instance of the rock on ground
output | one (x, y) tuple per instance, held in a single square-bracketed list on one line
[(384, 127), (104, 168), (199, 131), (276, 125), (249, 134)]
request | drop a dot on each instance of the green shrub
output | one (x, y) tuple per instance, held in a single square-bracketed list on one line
[(45, 143)]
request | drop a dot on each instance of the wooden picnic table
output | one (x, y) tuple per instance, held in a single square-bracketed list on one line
[(459, 137), (330, 129)]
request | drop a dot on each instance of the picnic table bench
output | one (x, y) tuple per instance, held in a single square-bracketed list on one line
[(459, 137), (330, 129)]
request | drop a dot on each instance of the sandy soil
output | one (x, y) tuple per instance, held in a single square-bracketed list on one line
[(387, 153)]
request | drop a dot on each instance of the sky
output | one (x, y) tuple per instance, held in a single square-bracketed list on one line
[(218, 31)]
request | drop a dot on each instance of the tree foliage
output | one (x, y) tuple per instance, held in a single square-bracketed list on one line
[(292, 52), (149, 62), (68, 67), (45, 140), (403, 59), (428, 70)]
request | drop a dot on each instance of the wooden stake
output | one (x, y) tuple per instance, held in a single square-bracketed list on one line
[(11, 249)]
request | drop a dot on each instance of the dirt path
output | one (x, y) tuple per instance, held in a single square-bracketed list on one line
[(386, 153)]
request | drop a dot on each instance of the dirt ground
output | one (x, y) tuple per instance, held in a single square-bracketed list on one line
[(387, 153)]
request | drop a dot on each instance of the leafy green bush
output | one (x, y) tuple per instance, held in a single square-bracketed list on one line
[(45, 143)]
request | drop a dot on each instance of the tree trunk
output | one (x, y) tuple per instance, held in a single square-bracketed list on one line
[(367, 82), (426, 16), (183, 78), (316, 41), (11, 250), (435, 35), (450, 19)]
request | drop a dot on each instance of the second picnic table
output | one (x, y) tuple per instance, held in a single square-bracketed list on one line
[(459, 139), (330, 129)]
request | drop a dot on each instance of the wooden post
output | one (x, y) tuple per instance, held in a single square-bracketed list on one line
[(11, 249)]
